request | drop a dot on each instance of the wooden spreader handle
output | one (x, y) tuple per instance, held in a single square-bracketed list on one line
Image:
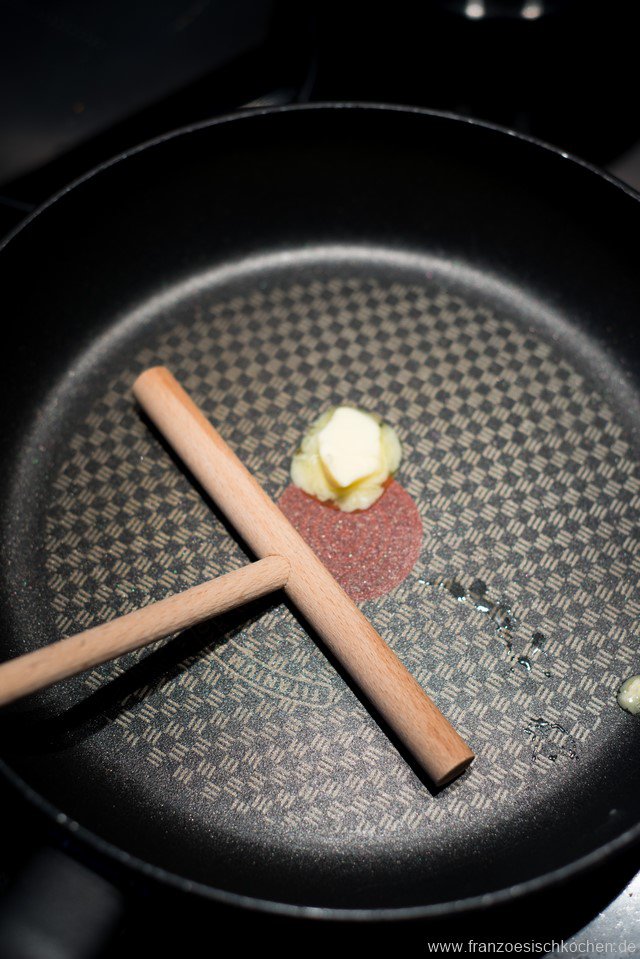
[(377, 671), (67, 657)]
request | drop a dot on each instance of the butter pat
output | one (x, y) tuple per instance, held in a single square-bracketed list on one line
[(629, 695), (346, 457), (349, 446)]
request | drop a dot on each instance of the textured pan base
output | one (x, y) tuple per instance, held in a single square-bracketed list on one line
[(526, 484)]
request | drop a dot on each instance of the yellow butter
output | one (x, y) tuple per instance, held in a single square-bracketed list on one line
[(349, 446), (346, 457), (629, 695)]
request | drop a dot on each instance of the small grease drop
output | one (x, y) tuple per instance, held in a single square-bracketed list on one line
[(503, 617), (540, 731), (478, 587), (537, 725), (629, 695), (456, 590), (477, 595), (500, 613)]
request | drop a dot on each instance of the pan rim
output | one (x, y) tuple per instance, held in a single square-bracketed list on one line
[(249, 113), (83, 835), (91, 839)]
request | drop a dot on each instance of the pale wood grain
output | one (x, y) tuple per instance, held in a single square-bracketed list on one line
[(347, 633), (67, 657)]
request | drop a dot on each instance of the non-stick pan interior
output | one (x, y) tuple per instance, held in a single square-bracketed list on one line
[(237, 755)]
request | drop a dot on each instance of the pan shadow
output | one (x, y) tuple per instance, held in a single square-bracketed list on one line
[(26, 730), (34, 730)]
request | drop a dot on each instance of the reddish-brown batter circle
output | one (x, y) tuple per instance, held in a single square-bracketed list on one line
[(369, 551)]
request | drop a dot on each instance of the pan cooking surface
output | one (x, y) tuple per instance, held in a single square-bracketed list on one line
[(240, 744)]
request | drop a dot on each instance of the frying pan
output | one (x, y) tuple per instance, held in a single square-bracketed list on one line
[(477, 289)]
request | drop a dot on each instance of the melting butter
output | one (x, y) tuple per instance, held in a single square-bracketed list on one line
[(629, 695), (349, 447), (346, 456)]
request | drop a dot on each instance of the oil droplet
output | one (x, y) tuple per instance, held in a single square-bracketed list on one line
[(456, 590), (540, 731), (503, 617), (538, 725), (477, 594), (500, 613)]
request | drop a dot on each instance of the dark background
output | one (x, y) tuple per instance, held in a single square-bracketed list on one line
[(81, 82)]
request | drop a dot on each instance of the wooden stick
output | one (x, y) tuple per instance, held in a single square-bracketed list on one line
[(43, 667), (345, 630)]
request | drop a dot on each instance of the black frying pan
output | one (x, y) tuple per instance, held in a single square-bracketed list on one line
[(478, 289)]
